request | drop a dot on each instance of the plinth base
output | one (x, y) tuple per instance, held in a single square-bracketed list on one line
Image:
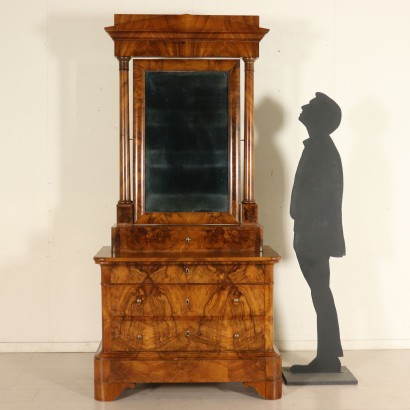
[(115, 372)]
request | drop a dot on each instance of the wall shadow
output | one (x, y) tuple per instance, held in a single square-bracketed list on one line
[(368, 206), (284, 52), (269, 172)]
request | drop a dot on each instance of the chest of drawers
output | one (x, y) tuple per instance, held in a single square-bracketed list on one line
[(187, 318)]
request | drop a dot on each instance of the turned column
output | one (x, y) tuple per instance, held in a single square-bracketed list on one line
[(249, 206), (124, 206)]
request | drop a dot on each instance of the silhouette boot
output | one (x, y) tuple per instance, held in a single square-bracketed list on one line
[(318, 365)]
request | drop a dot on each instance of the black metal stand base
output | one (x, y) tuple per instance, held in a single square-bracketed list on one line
[(303, 379)]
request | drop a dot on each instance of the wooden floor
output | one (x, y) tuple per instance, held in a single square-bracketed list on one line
[(61, 381)]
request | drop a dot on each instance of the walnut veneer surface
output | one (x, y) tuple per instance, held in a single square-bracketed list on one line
[(185, 317), (186, 296)]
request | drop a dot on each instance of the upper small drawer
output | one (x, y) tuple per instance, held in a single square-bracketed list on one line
[(187, 273)]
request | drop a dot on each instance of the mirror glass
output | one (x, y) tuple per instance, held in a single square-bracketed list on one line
[(186, 141)]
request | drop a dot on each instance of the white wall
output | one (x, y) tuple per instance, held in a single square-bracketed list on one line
[(58, 159)]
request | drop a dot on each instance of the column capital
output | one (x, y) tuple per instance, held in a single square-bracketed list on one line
[(249, 63), (123, 61)]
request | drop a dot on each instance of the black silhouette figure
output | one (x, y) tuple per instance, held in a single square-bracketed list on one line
[(316, 207)]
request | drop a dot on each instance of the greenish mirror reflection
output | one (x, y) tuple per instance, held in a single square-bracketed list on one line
[(186, 141)]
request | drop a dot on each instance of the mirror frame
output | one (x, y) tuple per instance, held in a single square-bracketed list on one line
[(140, 67)]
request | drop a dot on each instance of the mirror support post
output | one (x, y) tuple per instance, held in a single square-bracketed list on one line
[(125, 205)]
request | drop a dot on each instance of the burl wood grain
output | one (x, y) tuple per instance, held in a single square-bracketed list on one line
[(267, 256), (153, 299), (117, 371), (191, 37), (182, 318), (115, 374), (187, 272), (189, 238), (231, 67), (183, 334), (186, 36), (194, 371), (186, 297)]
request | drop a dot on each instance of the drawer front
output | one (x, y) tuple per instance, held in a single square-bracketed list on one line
[(188, 371), (202, 334), (149, 299), (171, 233), (187, 273)]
